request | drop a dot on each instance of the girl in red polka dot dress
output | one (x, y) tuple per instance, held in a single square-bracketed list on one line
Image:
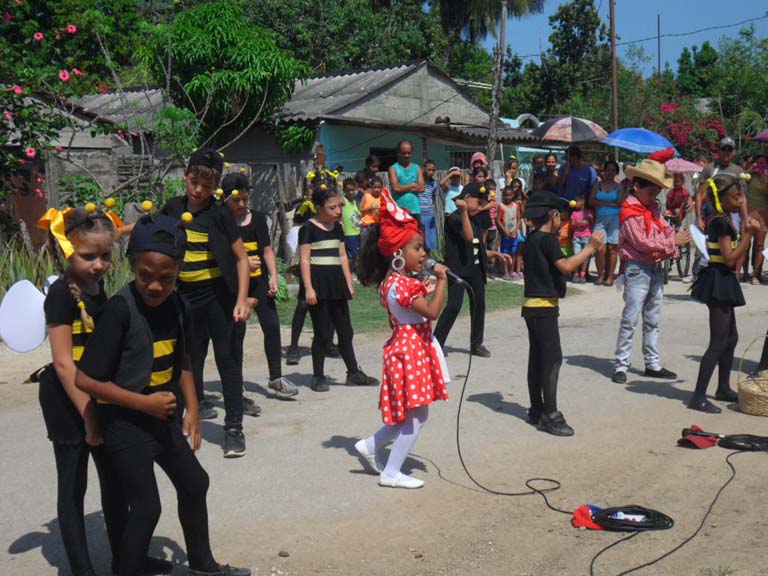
[(414, 370)]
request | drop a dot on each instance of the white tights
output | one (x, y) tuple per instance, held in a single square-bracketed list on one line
[(404, 435)]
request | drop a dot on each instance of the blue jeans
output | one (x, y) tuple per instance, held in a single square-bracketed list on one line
[(643, 293), (430, 231)]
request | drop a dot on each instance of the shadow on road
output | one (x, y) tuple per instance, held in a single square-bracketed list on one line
[(495, 401), (347, 443), (660, 389), (49, 543), (603, 366)]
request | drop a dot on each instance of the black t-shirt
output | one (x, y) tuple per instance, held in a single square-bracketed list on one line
[(325, 269), (102, 357), (462, 257), (62, 420), (202, 277), (542, 278), (255, 236)]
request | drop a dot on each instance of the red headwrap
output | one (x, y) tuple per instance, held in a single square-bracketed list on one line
[(396, 224), (662, 156)]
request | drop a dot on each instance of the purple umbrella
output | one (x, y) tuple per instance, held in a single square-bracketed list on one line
[(762, 137)]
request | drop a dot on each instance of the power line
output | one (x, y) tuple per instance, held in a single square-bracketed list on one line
[(671, 34)]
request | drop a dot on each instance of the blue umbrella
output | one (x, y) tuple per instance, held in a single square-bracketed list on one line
[(637, 140)]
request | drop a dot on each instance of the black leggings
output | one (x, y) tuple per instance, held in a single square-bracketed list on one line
[(297, 324), (453, 307), (266, 310), (135, 442), (723, 338), (72, 472), (763, 365), (328, 315), (544, 359), (214, 322)]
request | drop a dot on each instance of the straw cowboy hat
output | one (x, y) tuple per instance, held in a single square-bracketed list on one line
[(651, 171)]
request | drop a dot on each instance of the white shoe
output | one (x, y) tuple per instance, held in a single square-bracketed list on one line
[(372, 459), (402, 481)]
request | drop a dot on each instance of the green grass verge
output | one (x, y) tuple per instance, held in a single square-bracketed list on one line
[(368, 315)]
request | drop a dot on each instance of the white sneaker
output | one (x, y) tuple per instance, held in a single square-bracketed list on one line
[(372, 459), (402, 481)]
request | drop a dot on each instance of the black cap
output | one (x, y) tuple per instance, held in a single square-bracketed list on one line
[(158, 234), (474, 190), (234, 182), (207, 157), (542, 202)]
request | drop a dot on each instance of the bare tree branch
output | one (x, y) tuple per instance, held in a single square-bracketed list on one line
[(225, 124), (251, 123)]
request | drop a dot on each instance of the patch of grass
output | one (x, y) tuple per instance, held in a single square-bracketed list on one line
[(369, 316)]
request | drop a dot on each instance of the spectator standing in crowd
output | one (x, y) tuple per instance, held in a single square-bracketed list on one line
[(452, 187), (574, 176), (678, 201), (350, 220), (406, 180), (645, 241), (427, 204), (478, 160), (369, 207), (372, 166), (606, 198), (757, 197), (551, 173), (511, 170), (582, 220)]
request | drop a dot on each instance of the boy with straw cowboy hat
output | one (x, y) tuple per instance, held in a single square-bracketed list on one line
[(645, 240)]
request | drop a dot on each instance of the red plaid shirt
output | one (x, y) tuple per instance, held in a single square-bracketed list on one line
[(635, 244)]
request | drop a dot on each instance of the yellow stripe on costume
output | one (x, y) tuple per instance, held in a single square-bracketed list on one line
[(325, 260), (256, 273), (77, 352), (77, 328), (162, 377), (164, 348), (323, 244), (193, 236), (200, 275), (197, 256), (541, 302), (251, 245), (715, 258)]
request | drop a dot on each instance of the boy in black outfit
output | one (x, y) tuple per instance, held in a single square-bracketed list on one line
[(136, 364), (466, 256), (546, 269), (214, 278)]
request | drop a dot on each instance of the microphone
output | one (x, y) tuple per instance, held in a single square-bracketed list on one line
[(430, 265)]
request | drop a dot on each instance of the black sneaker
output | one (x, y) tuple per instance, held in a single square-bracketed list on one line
[(332, 351), (292, 356), (703, 405), (728, 395), (250, 408), (661, 373), (206, 411), (234, 443), (320, 384), (555, 424), (360, 378), (152, 567), (534, 416), (222, 570), (481, 351), (619, 377)]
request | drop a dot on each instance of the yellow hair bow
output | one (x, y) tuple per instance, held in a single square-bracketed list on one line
[(53, 221), (311, 175), (718, 206), (306, 205)]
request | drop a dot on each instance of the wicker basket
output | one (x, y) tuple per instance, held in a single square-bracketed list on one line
[(753, 391)]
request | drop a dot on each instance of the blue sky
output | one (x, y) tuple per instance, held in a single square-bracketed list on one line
[(636, 19)]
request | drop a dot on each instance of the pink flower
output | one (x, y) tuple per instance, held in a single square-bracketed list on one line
[(7, 115), (16, 89), (30, 152), (135, 134), (71, 29), (38, 36), (103, 88), (59, 148), (20, 2), (7, 17), (40, 193), (76, 72), (63, 75)]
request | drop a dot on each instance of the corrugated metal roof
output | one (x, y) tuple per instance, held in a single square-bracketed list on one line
[(138, 104), (505, 133), (323, 95)]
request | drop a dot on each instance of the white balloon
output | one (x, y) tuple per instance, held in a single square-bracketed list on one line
[(22, 318)]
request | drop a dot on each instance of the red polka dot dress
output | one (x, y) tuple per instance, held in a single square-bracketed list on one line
[(414, 372)]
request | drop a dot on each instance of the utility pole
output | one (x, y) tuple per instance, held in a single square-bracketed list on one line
[(614, 77), (498, 75), (658, 42)]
